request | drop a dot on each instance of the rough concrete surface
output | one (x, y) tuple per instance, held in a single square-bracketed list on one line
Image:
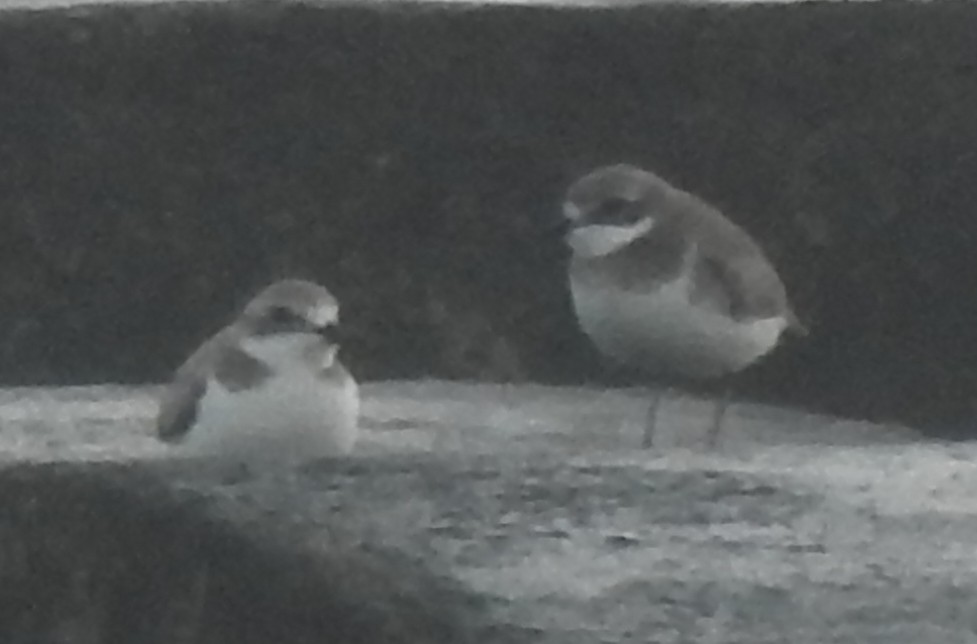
[(488, 513)]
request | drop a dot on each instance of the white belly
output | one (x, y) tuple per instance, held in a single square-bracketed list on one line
[(663, 333), (288, 420)]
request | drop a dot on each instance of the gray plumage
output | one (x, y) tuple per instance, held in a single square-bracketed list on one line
[(664, 282), (269, 382)]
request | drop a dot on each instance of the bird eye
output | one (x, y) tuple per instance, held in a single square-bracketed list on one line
[(616, 211), (280, 314)]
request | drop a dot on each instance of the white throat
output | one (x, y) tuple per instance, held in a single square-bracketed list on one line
[(598, 240), (289, 351)]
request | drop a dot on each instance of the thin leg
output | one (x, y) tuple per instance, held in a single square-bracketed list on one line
[(717, 419), (651, 419)]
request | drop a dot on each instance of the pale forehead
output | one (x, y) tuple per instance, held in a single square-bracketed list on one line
[(323, 314)]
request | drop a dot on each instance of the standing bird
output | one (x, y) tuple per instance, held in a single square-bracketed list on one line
[(268, 389), (663, 282)]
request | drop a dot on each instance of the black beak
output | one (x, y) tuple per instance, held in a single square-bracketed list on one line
[(557, 227), (331, 333)]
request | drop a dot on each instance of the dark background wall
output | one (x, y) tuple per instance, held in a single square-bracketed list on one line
[(158, 164)]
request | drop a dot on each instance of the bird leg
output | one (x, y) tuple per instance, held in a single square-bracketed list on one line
[(719, 412), (652, 418)]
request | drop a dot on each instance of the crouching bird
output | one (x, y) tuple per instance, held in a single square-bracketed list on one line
[(268, 389)]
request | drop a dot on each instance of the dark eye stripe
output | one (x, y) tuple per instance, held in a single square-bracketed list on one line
[(279, 319), (281, 314), (615, 212)]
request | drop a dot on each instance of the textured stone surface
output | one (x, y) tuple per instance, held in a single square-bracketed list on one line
[(494, 513), (98, 553)]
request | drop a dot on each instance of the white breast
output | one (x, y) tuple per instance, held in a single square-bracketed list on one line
[(662, 332), (598, 240), (291, 418)]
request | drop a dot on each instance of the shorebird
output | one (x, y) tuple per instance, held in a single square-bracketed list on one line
[(664, 282), (268, 389)]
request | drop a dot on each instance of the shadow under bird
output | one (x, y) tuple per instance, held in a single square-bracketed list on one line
[(663, 282), (268, 389)]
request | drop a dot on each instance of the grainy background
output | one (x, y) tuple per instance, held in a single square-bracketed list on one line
[(159, 163)]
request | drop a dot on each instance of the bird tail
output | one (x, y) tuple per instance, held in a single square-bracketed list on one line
[(796, 325)]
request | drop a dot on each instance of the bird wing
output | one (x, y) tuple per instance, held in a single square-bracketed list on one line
[(730, 269), (220, 357), (741, 287), (179, 403)]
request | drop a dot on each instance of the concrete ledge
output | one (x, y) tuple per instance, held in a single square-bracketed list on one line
[(487, 514), (112, 553)]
